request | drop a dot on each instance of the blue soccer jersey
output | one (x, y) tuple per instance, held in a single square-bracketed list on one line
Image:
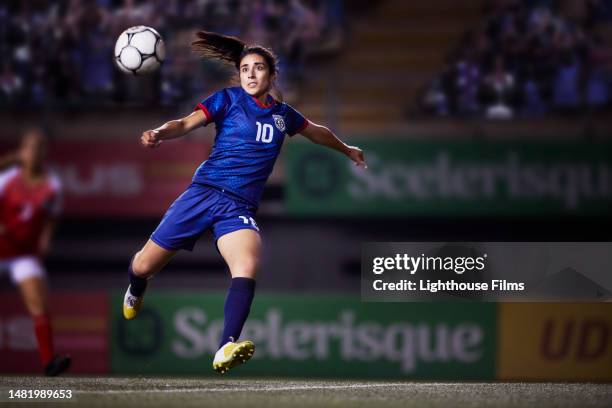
[(249, 138)]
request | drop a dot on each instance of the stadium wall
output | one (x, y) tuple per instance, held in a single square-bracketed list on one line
[(323, 336), (453, 178), (406, 178)]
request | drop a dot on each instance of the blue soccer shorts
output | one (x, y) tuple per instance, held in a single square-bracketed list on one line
[(199, 209)]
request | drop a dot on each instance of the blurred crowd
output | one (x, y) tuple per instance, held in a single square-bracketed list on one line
[(61, 52), (529, 58)]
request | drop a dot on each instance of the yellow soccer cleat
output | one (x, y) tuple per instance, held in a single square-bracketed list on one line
[(131, 305), (232, 354)]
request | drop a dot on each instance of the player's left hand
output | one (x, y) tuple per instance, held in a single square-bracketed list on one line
[(150, 138), (356, 155)]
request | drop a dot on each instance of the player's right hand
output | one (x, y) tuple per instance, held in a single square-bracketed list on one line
[(150, 138)]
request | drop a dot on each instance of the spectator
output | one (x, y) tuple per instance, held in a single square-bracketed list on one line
[(11, 85), (467, 83), (499, 88)]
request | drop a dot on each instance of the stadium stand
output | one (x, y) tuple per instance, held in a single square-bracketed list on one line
[(392, 50), (372, 68), (528, 59), (61, 52)]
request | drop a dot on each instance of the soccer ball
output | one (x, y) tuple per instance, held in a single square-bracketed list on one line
[(139, 50)]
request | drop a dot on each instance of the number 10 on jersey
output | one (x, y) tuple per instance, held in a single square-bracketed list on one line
[(265, 132)]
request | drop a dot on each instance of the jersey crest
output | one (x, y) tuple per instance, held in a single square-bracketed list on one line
[(279, 122)]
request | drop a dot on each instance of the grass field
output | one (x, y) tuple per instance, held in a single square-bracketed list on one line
[(227, 392)]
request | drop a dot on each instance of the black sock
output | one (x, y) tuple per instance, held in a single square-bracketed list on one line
[(237, 308), (138, 284)]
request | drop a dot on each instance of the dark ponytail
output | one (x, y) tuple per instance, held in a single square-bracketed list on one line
[(218, 46), (230, 49)]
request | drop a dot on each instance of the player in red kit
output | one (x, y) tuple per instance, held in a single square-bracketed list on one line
[(30, 202)]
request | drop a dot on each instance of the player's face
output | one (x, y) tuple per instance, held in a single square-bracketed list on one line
[(255, 76), (32, 150)]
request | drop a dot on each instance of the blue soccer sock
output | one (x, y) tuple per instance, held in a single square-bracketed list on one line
[(237, 308), (138, 284)]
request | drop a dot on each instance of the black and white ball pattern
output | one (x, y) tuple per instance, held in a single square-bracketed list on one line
[(139, 50)]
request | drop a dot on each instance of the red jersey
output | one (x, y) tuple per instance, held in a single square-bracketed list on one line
[(24, 211)]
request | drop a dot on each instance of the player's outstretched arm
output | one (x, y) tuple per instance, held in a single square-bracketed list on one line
[(172, 129), (321, 135)]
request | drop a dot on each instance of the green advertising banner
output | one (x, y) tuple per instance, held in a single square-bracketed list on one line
[(445, 178), (310, 336)]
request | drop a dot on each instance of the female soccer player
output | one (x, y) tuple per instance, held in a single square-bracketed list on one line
[(29, 205), (225, 191)]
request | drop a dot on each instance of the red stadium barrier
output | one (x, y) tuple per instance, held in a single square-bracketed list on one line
[(123, 178)]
